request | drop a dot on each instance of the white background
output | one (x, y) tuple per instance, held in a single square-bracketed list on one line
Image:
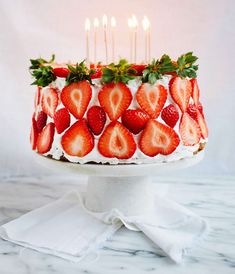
[(29, 29)]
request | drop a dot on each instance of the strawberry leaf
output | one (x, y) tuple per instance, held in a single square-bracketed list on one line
[(186, 66), (78, 73), (121, 72)]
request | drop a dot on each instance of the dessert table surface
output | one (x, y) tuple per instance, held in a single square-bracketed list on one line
[(127, 252)]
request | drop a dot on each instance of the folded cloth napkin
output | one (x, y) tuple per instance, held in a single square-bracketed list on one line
[(65, 228)]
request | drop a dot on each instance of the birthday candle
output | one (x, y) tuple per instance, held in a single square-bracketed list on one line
[(87, 29), (113, 25), (105, 23), (96, 25)]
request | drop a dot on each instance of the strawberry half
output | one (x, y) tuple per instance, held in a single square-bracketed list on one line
[(33, 134), (158, 138), (189, 130), (180, 90), (170, 115), (61, 72), (41, 121), (76, 97), (96, 118), (200, 108), (116, 141), (202, 125), (135, 120), (49, 101), (192, 111), (78, 139), (195, 91), (115, 99), (45, 138), (37, 97), (61, 120), (151, 98)]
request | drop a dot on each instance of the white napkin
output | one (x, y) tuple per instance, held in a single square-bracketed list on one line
[(65, 228)]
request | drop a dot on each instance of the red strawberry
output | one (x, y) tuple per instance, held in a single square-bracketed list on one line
[(45, 138), (180, 90), (78, 140), (151, 98), (97, 74), (202, 125), (189, 130), (76, 98), (157, 138), (37, 97), (61, 120), (115, 99), (195, 91), (49, 101), (135, 120), (200, 108), (96, 118), (170, 115), (192, 111), (116, 141), (33, 134), (41, 121), (61, 72), (139, 69)]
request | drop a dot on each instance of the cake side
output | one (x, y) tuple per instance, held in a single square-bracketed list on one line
[(139, 121)]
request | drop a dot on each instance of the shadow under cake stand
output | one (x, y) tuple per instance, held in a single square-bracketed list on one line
[(126, 187)]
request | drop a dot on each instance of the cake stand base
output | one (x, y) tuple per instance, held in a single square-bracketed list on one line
[(126, 187)]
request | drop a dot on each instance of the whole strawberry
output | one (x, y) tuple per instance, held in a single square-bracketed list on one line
[(135, 120), (96, 119), (61, 120), (170, 115)]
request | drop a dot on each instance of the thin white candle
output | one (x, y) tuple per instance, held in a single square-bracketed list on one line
[(105, 23), (146, 27), (87, 29), (113, 26), (135, 25), (130, 25), (96, 25)]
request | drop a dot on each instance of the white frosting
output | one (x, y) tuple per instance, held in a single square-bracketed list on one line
[(138, 158)]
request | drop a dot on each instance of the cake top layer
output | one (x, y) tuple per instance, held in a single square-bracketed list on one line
[(44, 72)]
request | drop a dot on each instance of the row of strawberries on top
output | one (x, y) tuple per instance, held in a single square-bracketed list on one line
[(114, 100)]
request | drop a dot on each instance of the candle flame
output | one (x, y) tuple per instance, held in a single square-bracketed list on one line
[(113, 22), (87, 24), (105, 21), (96, 23), (134, 21), (130, 23), (145, 23)]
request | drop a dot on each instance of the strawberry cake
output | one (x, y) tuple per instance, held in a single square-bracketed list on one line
[(118, 113)]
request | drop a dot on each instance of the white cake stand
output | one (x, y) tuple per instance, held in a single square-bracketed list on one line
[(125, 187)]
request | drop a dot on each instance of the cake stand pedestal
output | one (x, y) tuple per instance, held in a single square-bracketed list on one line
[(126, 187)]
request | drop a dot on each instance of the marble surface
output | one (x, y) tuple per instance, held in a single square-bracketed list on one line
[(127, 252)]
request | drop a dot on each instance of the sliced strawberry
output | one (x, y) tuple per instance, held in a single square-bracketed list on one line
[(33, 134), (96, 118), (37, 97), (49, 101), (139, 69), (135, 120), (200, 108), (61, 120), (180, 90), (78, 139), (202, 125), (195, 91), (115, 99), (76, 98), (151, 98), (45, 138), (157, 138), (170, 115), (192, 111), (116, 142), (62, 72), (41, 121), (189, 130)]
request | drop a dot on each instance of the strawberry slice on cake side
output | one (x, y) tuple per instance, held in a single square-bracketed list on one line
[(151, 98), (50, 101), (45, 138), (115, 99), (116, 142)]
